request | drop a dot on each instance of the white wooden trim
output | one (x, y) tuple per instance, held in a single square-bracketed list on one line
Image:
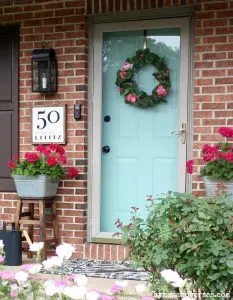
[(95, 107)]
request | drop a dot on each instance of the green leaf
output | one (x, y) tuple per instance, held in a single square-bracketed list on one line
[(229, 263)]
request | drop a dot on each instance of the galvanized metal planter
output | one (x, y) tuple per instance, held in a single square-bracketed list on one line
[(33, 187), (213, 187)]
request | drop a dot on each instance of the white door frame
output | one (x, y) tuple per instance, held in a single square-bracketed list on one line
[(95, 109)]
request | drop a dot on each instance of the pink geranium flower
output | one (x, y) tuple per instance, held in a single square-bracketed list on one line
[(226, 131), (47, 161), (31, 157), (131, 98), (161, 91), (189, 166)]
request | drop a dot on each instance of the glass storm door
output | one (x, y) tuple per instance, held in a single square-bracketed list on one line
[(141, 151)]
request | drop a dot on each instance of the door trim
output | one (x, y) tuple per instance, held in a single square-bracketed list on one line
[(95, 109)]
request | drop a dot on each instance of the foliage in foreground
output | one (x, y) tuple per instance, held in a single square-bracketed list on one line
[(27, 284), (191, 235)]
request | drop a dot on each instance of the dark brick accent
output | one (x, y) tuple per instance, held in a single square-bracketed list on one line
[(81, 162), (82, 177), (81, 88), (81, 206)]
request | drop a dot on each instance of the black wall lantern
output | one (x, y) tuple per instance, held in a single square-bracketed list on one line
[(44, 71)]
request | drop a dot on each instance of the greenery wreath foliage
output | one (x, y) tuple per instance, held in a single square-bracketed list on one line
[(128, 87)]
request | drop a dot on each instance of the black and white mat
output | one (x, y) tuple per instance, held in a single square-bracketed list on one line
[(101, 269)]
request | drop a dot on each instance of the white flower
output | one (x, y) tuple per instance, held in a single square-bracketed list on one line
[(173, 278), (35, 269), (74, 292), (52, 262), (80, 280), (65, 251), (36, 247), (140, 288), (122, 283), (1, 244), (21, 277), (92, 295), (51, 289), (187, 298), (178, 283)]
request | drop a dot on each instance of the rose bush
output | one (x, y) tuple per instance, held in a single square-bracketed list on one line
[(48, 160), (188, 234), (218, 158)]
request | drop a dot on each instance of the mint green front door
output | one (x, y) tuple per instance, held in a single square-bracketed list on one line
[(139, 154)]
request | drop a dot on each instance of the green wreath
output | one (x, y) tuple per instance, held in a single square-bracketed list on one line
[(128, 87)]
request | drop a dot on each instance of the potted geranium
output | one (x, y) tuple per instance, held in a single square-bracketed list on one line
[(38, 174), (217, 172)]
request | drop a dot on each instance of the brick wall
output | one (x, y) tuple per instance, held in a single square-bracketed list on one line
[(62, 25)]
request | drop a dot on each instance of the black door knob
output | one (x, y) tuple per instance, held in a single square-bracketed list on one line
[(106, 149), (107, 118)]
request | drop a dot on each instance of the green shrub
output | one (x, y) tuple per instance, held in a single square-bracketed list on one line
[(191, 235)]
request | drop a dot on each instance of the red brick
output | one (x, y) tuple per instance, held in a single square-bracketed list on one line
[(213, 89), (214, 39)]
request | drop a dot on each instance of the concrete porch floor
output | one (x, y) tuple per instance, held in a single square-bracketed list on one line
[(100, 284)]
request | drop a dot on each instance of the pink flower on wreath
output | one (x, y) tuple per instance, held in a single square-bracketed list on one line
[(122, 74), (31, 157), (127, 66), (226, 131), (120, 90), (189, 166), (1, 259), (161, 91), (131, 98)]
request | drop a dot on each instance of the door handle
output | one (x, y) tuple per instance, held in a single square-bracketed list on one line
[(106, 149), (181, 133)]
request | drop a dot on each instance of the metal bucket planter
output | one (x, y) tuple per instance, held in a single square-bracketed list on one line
[(214, 187), (33, 187)]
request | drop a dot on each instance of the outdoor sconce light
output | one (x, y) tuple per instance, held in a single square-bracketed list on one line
[(44, 71)]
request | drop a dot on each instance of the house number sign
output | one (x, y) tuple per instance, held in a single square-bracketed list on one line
[(48, 125)]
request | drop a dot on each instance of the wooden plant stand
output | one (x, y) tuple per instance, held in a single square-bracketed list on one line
[(41, 221)]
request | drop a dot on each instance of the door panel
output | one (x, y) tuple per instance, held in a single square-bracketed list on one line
[(143, 157)]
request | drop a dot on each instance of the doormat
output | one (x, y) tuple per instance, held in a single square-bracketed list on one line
[(101, 269)]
